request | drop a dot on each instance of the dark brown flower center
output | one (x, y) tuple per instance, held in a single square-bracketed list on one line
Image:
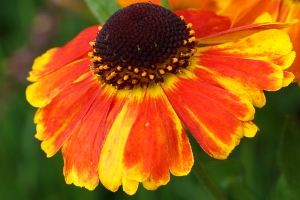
[(139, 44)]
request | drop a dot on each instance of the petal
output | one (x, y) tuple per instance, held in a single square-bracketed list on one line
[(210, 117), (248, 16), (110, 167), (82, 150), (55, 124), (289, 11), (204, 22), (47, 87), (247, 66), (176, 4), (58, 57), (129, 186), (288, 78), (206, 4), (157, 142), (124, 3), (242, 32)]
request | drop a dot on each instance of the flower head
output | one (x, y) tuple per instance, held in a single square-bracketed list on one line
[(118, 98)]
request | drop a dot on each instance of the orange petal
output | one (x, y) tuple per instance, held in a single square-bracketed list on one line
[(58, 57), (257, 59), (57, 121), (232, 80), (42, 92), (290, 10), (124, 3), (82, 150), (207, 4), (241, 12), (110, 167), (204, 22), (207, 115), (157, 142), (179, 4), (288, 78), (238, 8), (242, 32)]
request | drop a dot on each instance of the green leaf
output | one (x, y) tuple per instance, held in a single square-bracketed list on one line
[(166, 4), (289, 156), (102, 9)]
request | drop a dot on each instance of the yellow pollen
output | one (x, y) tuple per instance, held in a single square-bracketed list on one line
[(144, 74), (161, 71), (126, 77), (90, 54), (174, 60), (92, 44), (169, 68), (136, 70), (189, 25), (120, 81), (191, 32), (151, 76), (129, 68), (120, 68), (192, 39)]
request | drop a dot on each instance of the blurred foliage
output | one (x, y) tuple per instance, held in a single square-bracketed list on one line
[(264, 167)]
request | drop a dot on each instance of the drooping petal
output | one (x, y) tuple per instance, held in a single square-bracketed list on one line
[(211, 114), (57, 121), (157, 142), (59, 57), (47, 87), (204, 22), (82, 150)]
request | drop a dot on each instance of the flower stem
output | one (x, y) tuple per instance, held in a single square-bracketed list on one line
[(206, 181)]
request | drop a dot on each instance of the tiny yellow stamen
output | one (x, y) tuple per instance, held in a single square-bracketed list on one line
[(191, 32), (192, 39), (174, 60), (90, 54), (189, 25), (92, 43)]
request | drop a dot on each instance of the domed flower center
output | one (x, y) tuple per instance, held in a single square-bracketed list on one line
[(139, 44)]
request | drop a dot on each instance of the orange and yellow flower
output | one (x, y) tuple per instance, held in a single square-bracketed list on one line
[(119, 97)]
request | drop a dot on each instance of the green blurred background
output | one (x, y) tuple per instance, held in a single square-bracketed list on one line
[(264, 167)]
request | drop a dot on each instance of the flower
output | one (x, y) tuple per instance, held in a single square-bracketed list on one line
[(117, 99)]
